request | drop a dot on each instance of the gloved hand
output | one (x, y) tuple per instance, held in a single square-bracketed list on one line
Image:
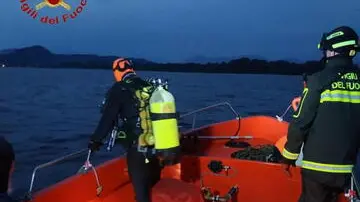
[(94, 145), (288, 162)]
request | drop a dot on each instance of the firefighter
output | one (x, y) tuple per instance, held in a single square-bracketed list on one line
[(326, 121)]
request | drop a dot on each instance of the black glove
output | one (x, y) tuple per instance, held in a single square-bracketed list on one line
[(94, 145), (289, 162)]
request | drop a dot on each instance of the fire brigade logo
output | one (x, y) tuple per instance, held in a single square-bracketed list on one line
[(66, 12), (53, 4)]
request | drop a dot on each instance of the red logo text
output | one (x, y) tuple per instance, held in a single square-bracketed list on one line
[(68, 12)]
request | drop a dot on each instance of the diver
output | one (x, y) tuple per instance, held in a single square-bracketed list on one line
[(7, 161), (131, 107), (326, 121)]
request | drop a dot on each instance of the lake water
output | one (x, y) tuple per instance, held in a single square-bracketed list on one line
[(47, 113)]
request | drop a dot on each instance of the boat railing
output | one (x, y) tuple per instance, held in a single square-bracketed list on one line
[(194, 113), (59, 160)]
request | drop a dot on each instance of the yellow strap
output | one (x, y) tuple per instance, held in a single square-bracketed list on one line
[(305, 92), (329, 168), (290, 155), (340, 96)]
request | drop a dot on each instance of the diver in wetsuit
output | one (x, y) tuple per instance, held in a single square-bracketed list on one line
[(122, 104), (7, 158)]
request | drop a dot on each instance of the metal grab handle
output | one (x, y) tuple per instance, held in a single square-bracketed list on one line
[(50, 163), (86, 167), (281, 118), (355, 182), (207, 108), (353, 191)]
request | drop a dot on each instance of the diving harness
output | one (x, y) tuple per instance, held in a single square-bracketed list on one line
[(158, 113), (116, 132)]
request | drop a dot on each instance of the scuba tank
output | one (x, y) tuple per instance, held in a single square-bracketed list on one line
[(164, 122)]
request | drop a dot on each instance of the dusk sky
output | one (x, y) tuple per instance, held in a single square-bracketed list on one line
[(168, 30)]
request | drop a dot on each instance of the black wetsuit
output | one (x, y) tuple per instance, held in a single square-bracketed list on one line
[(7, 156), (122, 104), (327, 123), (4, 197)]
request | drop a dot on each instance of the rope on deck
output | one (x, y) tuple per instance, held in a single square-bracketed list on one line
[(266, 153)]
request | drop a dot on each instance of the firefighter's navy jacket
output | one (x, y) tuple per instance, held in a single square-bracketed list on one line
[(327, 120)]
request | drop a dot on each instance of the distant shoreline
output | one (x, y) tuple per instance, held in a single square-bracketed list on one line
[(165, 69), (40, 57), (147, 70)]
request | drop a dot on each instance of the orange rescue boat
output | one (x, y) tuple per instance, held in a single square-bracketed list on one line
[(207, 171)]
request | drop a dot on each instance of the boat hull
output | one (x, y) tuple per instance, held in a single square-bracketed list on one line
[(255, 180)]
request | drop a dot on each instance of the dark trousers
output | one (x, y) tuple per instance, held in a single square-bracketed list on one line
[(322, 187), (142, 175)]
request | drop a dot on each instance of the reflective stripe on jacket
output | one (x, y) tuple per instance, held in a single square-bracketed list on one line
[(326, 120)]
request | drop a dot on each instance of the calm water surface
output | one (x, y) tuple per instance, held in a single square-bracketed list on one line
[(47, 113)]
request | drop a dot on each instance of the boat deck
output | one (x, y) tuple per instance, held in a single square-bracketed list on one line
[(256, 181)]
